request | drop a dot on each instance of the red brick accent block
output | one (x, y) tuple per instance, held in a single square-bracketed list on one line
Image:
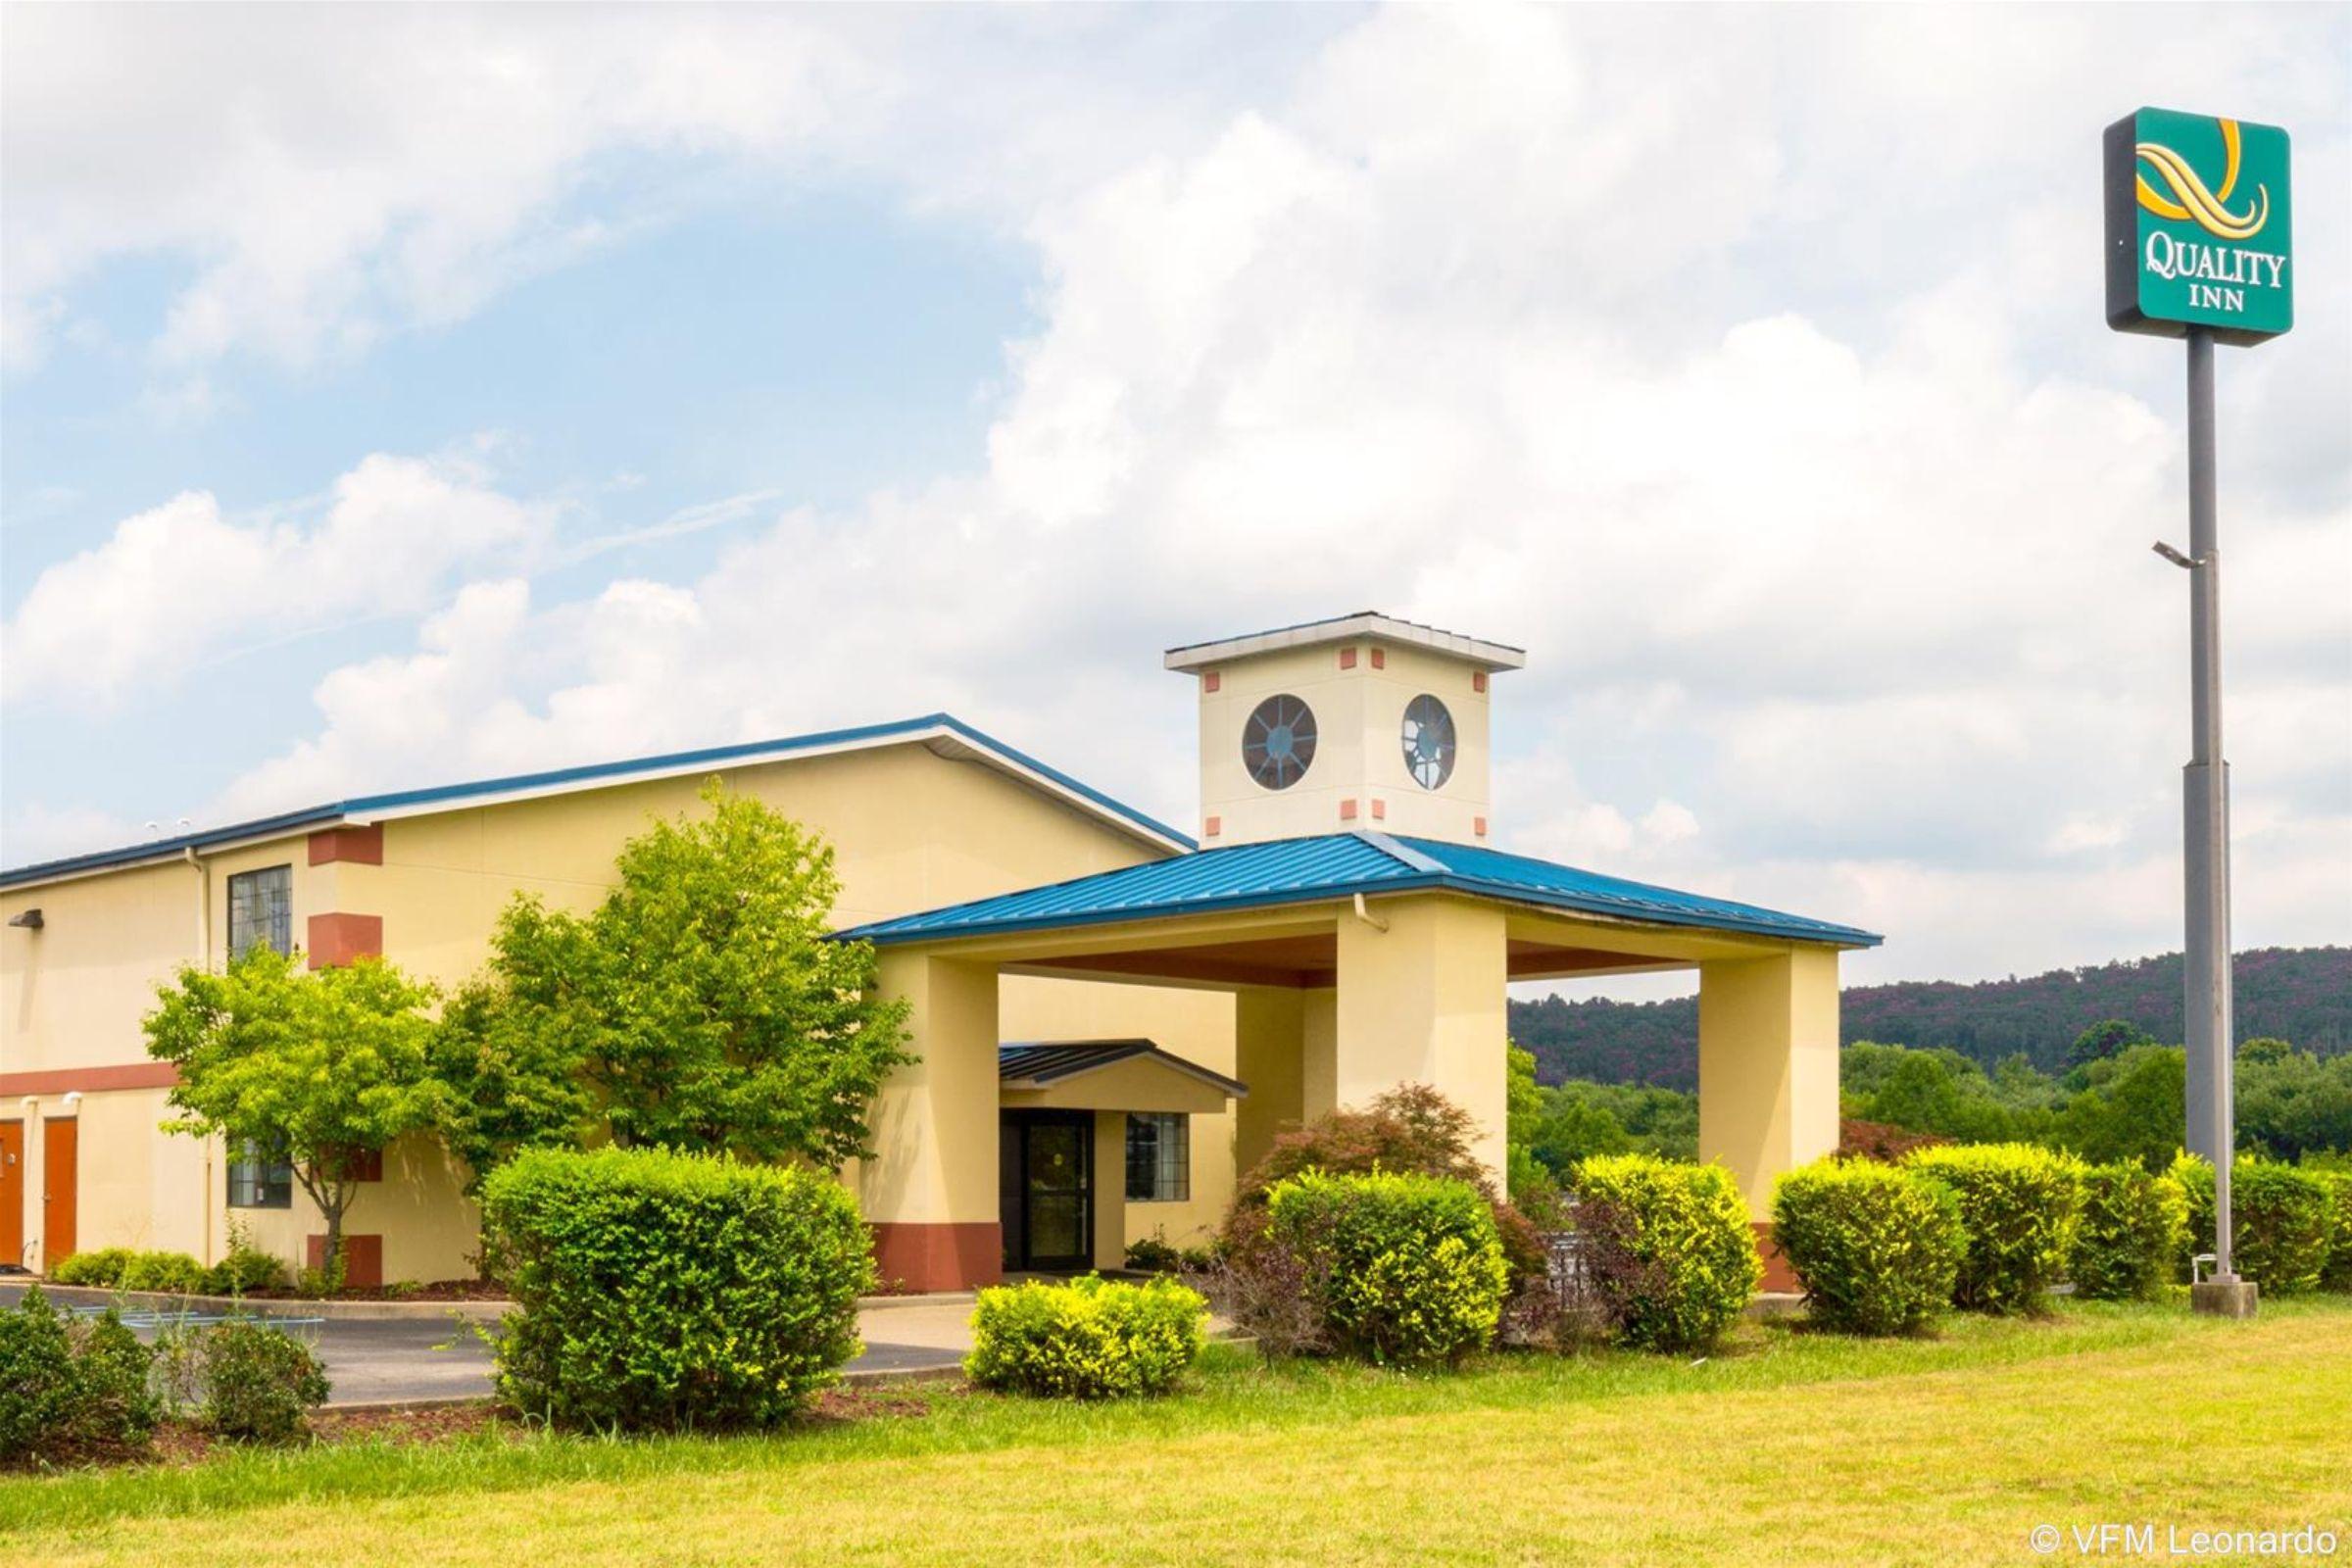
[(1210, 681), (1380, 659), (1477, 680), (1380, 810), (1478, 825), (939, 1258), (1347, 810), (1216, 825), (363, 1258), (356, 846), (1778, 1275), (337, 938), (1346, 659)]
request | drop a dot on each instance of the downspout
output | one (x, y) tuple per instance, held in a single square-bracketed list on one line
[(1367, 917), (204, 960)]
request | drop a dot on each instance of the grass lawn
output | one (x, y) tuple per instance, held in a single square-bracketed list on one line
[(1787, 1448)]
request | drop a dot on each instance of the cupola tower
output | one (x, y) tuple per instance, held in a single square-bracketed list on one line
[(1360, 721)]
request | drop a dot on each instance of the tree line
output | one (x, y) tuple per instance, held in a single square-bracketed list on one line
[(2298, 994), (2121, 1097)]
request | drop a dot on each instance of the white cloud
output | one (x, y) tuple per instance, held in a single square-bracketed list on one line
[(1747, 368), (181, 583)]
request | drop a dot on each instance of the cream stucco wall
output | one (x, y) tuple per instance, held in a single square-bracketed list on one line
[(911, 829)]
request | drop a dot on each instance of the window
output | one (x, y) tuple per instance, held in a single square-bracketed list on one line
[(261, 910), (1159, 1157), (257, 1182)]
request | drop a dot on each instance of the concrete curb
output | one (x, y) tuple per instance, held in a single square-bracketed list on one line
[(393, 1311), (274, 1306)]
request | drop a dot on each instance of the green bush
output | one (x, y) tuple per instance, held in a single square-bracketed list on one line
[(1876, 1248), (1685, 1254), (175, 1273), (71, 1388), (244, 1269), (2280, 1221), (102, 1268), (2337, 1274), (247, 1379), (2021, 1204), (1402, 1270), (656, 1290), (2133, 1225), (1090, 1339)]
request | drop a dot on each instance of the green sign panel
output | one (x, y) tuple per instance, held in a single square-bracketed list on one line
[(2199, 229)]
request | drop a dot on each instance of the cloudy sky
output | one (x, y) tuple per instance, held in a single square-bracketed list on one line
[(400, 396)]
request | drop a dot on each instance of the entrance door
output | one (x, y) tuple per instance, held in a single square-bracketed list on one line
[(12, 1194), (61, 1139), (1048, 1208)]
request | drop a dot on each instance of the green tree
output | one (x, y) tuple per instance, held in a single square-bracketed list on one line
[(2291, 1104), (2110, 1037), (2132, 1107), (701, 1006), (314, 1067)]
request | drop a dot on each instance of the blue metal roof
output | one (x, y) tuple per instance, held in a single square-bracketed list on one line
[(1337, 865), (585, 776)]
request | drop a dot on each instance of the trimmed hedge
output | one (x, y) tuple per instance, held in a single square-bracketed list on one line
[(71, 1388), (102, 1268), (2021, 1204), (2337, 1274), (1876, 1248), (175, 1273), (2133, 1228), (1403, 1271), (122, 1269), (1681, 1235), (2280, 1221), (1087, 1339), (664, 1291)]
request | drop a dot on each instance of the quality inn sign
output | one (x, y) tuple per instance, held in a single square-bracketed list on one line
[(2199, 226)]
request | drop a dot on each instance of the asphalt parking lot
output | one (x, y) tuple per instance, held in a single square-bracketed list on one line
[(435, 1356)]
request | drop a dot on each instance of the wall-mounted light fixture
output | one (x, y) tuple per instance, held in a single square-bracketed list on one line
[(31, 920)]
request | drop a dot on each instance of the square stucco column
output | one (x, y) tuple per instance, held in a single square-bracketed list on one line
[(1110, 1179), (930, 1193), (1267, 1055), (1424, 1002), (1768, 1066)]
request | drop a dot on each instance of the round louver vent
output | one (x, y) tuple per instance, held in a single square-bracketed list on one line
[(1278, 744), (1428, 742)]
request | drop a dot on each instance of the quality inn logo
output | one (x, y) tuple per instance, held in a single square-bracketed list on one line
[(2190, 201), (2198, 228)]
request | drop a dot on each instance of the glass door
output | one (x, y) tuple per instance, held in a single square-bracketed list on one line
[(1057, 1222)]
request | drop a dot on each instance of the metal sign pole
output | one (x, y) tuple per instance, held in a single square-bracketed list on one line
[(2206, 798)]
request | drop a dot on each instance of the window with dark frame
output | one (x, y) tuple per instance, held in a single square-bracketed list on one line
[(256, 1181), (261, 910), (1159, 1157)]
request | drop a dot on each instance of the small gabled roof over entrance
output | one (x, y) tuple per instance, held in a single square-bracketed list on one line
[(1042, 1063), (1278, 871)]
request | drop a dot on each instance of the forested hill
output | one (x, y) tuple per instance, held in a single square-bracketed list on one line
[(2302, 995)]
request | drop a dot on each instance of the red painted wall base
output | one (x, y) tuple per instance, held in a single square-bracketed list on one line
[(1778, 1275), (939, 1258)]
